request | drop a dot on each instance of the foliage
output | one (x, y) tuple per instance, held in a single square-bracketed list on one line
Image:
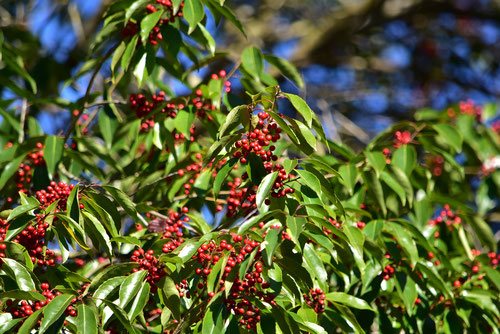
[(202, 213)]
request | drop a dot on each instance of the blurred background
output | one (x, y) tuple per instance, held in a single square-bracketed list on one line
[(366, 63)]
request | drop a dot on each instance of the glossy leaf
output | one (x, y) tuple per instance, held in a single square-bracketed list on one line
[(348, 300), (88, 319), (301, 106), (52, 153), (54, 310), (265, 188), (20, 274), (193, 13)]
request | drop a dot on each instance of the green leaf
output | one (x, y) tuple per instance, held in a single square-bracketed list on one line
[(213, 321), (124, 201), (9, 170), (117, 54), (404, 182), (98, 232), (252, 62), (148, 23), (301, 106), (315, 265), (107, 288), (493, 275), (87, 319), (140, 301), (19, 273), (120, 314), (208, 37), (73, 205), (30, 322), (374, 187), (305, 135), (108, 126), (222, 174), (15, 63), (170, 296), (286, 68), (157, 136), (228, 14), (133, 8), (129, 52), (52, 153), (356, 244), (483, 231), (394, 185), (140, 71), (410, 294), (450, 136), (193, 12), (130, 287), (310, 180), (348, 300), (233, 119), (177, 5), (54, 310), (434, 279), (22, 295), (405, 158), (265, 188), (270, 243), (21, 209), (7, 323), (404, 239), (376, 160), (349, 174)]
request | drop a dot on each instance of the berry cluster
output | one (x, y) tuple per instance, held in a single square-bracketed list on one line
[(243, 199), (33, 239), (257, 140), (445, 218), (183, 288), (132, 28), (279, 190), (335, 223), (167, 6), (316, 300), (25, 171), (172, 229), (387, 153), (259, 143), (25, 308), (402, 138), (469, 108), (252, 285), (71, 310), (148, 261), (360, 224), (4, 225), (180, 137), (495, 126), (494, 259), (143, 107), (194, 170), (435, 164), (388, 272), (54, 192)]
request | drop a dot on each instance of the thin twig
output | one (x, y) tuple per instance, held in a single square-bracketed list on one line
[(94, 114), (104, 103), (89, 88)]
